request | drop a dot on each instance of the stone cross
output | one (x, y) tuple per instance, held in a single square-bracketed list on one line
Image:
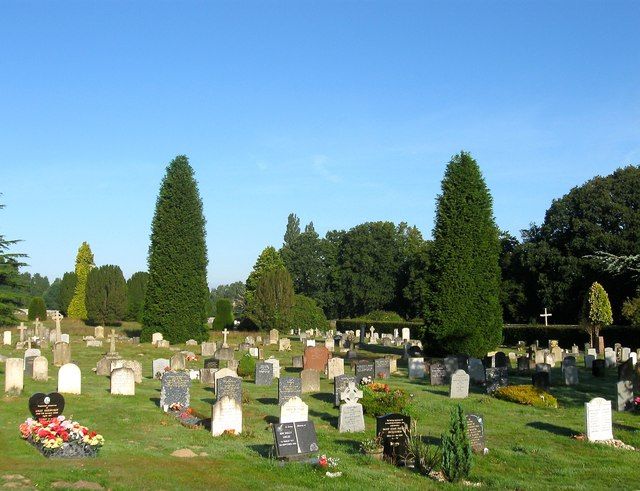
[(58, 317), (112, 337), (546, 317), (371, 330), (224, 342), (351, 394), (22, 328)]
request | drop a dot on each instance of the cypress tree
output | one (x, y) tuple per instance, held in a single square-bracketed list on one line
[(84, 263), (268, 260), (599, 313), (106, 295), (456, 448), (271, 304), (11, 286), (175, 302), (136, 288), (37, 309), (67, 288), (464, 313), (224, 314)]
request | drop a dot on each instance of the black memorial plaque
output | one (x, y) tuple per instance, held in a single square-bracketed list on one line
[(46, 405), (295, 440), (394, 431)]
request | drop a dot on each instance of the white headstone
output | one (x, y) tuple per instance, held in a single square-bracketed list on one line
[(155, 337), (459, 385), (226, 415), (158, 367), (294, 411), (6, 338), (416, 367), (13, 375), (598, 419), (69, 379), (123, 382), (41, 369), (284, 344), (98, 332), (310, 342), (208, 348), (406, 334), (330, 344), (351, 418), (335, 367), (64, 338), (276, 366)]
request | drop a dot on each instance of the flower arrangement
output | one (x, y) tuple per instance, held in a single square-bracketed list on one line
[(366, 381), (379, 399), (61, 437), (371, 446), (636, 403), (326, 463), (191, 358)]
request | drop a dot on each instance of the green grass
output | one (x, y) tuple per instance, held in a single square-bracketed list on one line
[(530, 448)]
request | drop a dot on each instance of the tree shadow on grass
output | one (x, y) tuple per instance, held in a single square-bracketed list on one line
[(267, 400), (133, 333), (155, 400), (443, 394), (271, 420), (291, 369), (551, 428), (264, 450), (208, 400), (619, 426), (352, 445), (324, 397), (329, 418)]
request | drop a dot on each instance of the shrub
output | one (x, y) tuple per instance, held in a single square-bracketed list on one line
[(379, 399), (37, 309), (456, 449), (425, 458), (224, 314), (306, 314), (106, 295), (84, 263), (382, 315), (527, 395), (631, 311), (246, 366)]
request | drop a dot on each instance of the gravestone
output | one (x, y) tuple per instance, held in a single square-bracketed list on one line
[(175, 389), (64, 338), (626, 353), (294, 411), (352, 354), (406, 334), (416, 368), (155, 337), (13, 375), (284, 344), (40, 369), (46, 405), (351, 418), (296, 362), (393, 363), (212, 363), (610, 358), (588, 361), (394, 432), (543, 367), (229, 386), (294, 441), (310, 380), (437, 374), (98, 332), (496, 378), (289, 387), (276, 366), (540, 380), (459, 385), (316, 357), (226, 416), (274, 336), (335, 367), (624, 386), (600, 344), (207, 376), (224, 354), (191, 342), (523, 364), (123, 382), (557, 353), (61, 354), (6, 338), (569, 361), (414, 352), (93, 343), (159, 366), (208, 348), (598, 369), (163, 343), (254, 352), (598, 420), (178, 362), (134, 365), (224, 372), (475, 433), (501, 360), (382, 368), (476, 371), (69, 379), (365, 368), (571, 375), (28, 365), (264, 373), (330, 344)]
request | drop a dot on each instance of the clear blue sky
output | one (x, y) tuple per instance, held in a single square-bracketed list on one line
[(342, 112)]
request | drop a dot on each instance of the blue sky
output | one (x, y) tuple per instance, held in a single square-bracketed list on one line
[(342, 112)]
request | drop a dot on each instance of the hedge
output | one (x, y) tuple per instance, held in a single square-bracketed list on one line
[(382, 327), (567, 335)]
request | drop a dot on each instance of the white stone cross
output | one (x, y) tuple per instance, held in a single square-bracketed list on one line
[(546, 316), (112, 337), (58, 317), (224, 342), (371, 330), (22, 328), (351, 394)]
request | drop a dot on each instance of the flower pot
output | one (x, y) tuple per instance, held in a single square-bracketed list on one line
[(377, 454)]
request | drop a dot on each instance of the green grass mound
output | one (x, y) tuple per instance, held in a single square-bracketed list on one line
[(527, 395)]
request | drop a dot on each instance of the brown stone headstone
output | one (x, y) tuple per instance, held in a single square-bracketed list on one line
[(600, 344), (316, 357)]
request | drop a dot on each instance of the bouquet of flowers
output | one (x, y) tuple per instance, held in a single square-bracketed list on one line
[(366, 380), (329, 465), (61, 437)]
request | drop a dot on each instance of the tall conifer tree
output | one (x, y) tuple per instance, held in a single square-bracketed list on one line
[(177, 292), (464, 313), (136, 289), (84, 263)]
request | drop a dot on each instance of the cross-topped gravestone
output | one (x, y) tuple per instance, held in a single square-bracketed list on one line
[(112, 338), (351, 394), (351, 415), (22, 328), (57, 316), (546, 317), (225, 333)]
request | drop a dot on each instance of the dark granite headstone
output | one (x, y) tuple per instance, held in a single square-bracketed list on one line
[(394, 431), (495, 378), (501, 360), (569, 361), (438, 373), (523, 364), (211, 363), (340, 383), (489, 361), (175, 389), (295, 440), (598, 369), (229, 387), (475, 432), (365, 368), (382, 367), (540, 380), (362, 334), (288, 387), (46, 405), (352, 354), (264, 373)]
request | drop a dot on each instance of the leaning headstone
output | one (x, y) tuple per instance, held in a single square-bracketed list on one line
[(264, 373), (598, 420), (293, 411), (226, 417), (274, 336), (175, 390), (475, 433), (571, 375), (459, 385), (40, 369), (13, 375), (335, 367), (394, 433), (69, 379), (288, 387), (624, 386), (159, 366), (416, 368), (310, 380), (229, 386), (351, 418), (123, 382), (340, 383), (438, 373), (208, 348)]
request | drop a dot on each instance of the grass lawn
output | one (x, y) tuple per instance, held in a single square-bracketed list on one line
[(529, 448)]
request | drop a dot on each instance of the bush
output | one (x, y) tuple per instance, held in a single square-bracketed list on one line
[(306, 314), (425, 458), (456, 449), (37, 309), (381, 315), (385, 327), (106, 295), (631, 311), (379, 399), (224, 314), (527, 395), (246, 366)]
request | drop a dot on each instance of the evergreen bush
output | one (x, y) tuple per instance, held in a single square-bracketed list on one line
[(456, 448), (247, 366), (84, 263), (106, 292), (224, 314), (306, 314), (37, 309)]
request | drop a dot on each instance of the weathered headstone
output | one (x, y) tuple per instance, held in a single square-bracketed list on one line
[(416, 368), (6, 338), (13, 375), (178, 362), (155, 337), (224, 354), (229, 386), (207, 376), (437, 373), (571, 375), (406, 334), (598, 420), (288, 387), (382, 368), (134, 365), (159, 366), (40, 369), (123, 382), (175, 390), (284, 344), (294, 411), (310, 380), (394, 433), (459, 385), (61, 354), (335, 367), (226, 416), (69, 379), (351, 418), (588, 361), (98, 332), (475, 432), (208, 348), (274, 336), (296, 361), (264, 373)]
